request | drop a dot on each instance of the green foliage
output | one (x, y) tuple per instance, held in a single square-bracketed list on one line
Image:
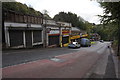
[(69, 17), (111, 12), (107, 32), (101, 31), (45, 14), (21, 8), (115, 42), (109, 29)]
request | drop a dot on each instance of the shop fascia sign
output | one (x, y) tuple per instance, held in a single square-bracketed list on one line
[(65, 35), (65, 31), (54, 32), (75, 37)]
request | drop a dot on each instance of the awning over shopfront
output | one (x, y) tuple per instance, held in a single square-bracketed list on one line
[(75, 37), (85, 35)]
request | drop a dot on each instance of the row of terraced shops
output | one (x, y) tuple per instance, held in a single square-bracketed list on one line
[(27, 31), (58, 33), (20, 30), (62, 33)]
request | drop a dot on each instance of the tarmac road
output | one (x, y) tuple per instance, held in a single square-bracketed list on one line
[(55, 63), (14, 57), (10, 58)]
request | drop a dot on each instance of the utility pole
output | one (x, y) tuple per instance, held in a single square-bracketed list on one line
[(45, 25), (44, 32), (60, 37), (70, 29)]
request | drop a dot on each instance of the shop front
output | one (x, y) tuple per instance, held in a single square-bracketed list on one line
[(65, 37), (53, 38), (75, 38), (21, 37)]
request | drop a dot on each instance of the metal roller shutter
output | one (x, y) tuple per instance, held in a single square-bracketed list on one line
[(53, 40), (65, 40), (37, 36), (28, 38), (16, 38)]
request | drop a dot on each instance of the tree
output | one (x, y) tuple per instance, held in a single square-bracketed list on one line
[(111, 12), (69, 17), (45, 13), (112, 16), (21, 8)]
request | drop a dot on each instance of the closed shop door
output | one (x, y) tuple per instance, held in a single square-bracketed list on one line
[(16, 38), (28, 37), (53, 40), (37, 36), (65, 39)]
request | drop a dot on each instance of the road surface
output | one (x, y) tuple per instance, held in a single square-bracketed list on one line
[(56, 62)]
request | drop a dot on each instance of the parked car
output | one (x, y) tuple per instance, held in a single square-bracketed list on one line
[(74, 45), (85, 42), (101, 41)]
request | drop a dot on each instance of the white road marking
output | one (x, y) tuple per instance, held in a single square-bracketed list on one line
[(55, 59)]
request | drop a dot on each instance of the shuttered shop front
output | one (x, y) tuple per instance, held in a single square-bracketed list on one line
[(65, 39), (54, 40), (37, 36), (16, 38)]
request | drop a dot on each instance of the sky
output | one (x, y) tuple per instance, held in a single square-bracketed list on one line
[(87, 9)]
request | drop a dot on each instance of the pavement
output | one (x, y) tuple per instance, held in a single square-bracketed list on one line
[(116, 64), (106, 67), (113, 66), (95, 62)]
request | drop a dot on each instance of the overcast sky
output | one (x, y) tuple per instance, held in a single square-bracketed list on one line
[(87, 9)]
